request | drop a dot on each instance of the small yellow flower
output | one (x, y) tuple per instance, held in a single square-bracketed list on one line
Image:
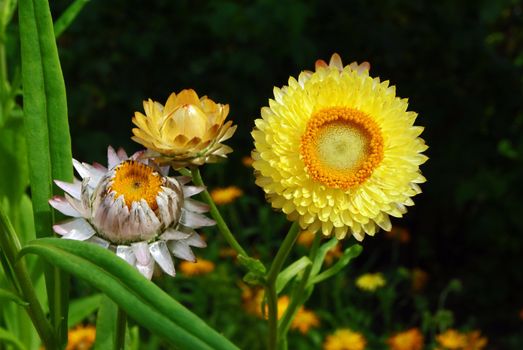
[(200, 267), (305, 238), (401, 234), (186, 131), (305, 320), (345, 339), (475, 341), (370, 281), (81, 338), (226, 195), (419, 279), (452, 339), (407, 340)]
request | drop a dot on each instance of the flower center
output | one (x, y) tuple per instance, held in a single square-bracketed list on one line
[(341, 147), (136, 181)]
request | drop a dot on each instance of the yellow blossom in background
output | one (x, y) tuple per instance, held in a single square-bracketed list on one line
[(419, 279), (188, 130), (452, 339), (226, 195), (81, 338), (407, 340), (475, 341), (345, 339), (370, 281), (247, 161), (337, 151), (305, 320), (333, 254), (305, 238), (401, 234), (199, 267)]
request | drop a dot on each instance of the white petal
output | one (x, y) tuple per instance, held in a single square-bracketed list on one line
[(196, 241), (146, 270), (125, 252), (163, 257), (195, 206), (189, 191), (164, 170), (122, 154), (172, 234), (81, 169), (195, 220), (141, 251), (77, 229), (63, 206), (181, 250), (183, 179), (112, 158), (77, 205), (101, 242), (74, 189)]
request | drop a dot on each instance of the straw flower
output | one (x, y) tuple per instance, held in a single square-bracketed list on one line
[(370, 281), (337, 151), (226, 195), (345, 339), (134, 209), (186, 131), (475, 341), (199, 267), (81, 338), (407, 340), (452, 339)]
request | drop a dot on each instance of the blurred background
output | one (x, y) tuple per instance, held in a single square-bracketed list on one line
[(459, 63)]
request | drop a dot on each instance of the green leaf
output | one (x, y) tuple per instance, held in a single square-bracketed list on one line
[(8, 295), (68, 16), (349, 254), (141, 299), (8, 338), (290, 272), (81, 308), (320, 256), (254, 279), (257, 271), (105, 321)]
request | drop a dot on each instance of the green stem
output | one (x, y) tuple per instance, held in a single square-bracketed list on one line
[(121, 325), (270, 289), (215, 213), (11, 246), (298, 295)]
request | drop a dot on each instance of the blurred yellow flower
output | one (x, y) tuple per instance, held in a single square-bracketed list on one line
[(305, 320), (81, 338), (452, 339), (337, 151), (475, 341), (345, 339), (419, 279), (401, 234), (407, 340), (200, 267), (226, 195), (186, 131), (370, 281), (305, 238), (333, 254)]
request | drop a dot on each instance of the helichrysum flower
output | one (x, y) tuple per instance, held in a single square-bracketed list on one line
[(134, 209), (226, 195), (305, 320), (186, 131), (407, 340), (337, 150), (81, 338), (452, 339), (370, 281), (475, 341), (345, 339), (199, 267)]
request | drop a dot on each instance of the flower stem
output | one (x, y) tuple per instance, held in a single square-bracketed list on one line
[(215, 213), (11, 246), (270, 289), (298, 295), (121, 325)]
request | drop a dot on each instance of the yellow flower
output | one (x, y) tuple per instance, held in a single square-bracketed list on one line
[(475, 341), (419, 279), (336, 150), (305, 320), (81, 338), (200, 267), (408, 340), (345, 339), (226, 195), (305, 238), (186, 131), (452, 339), (370, 281)]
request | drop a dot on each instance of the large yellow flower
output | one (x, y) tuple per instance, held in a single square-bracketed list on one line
[(187, 130), (336, 150)]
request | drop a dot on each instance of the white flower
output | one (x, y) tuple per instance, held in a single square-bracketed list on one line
[(134, 209)]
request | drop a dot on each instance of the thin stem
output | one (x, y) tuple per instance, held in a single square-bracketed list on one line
[(215, 213), (121, 325), (297, 297), (270, 289), (11, 247)]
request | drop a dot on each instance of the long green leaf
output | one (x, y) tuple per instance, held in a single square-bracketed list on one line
[(81, 308), (290, 272), (8, 295), (141, 299), (349, 254), (7, 337), (68, 16), (105, 321)]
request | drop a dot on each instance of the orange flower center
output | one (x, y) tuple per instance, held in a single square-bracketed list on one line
[(341, 147), (136, 181)]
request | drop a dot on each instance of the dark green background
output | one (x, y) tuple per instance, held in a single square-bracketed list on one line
[(458, 62)]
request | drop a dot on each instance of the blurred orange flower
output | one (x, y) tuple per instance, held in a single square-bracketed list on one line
[(401, 234), (200, 267), (226, 195), (407, 340), (81, 338)]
